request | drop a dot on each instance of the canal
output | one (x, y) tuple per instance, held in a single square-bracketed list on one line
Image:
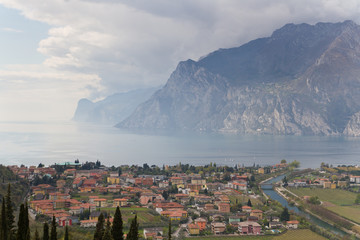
[(268, 190)]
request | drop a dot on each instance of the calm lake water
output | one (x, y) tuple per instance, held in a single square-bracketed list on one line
[(48, 143)]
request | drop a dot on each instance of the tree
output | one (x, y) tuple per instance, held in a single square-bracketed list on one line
[(36, 235), (26, 221), (107, 233), (285, 216), (21, 233), (10, 218), (295, 164), (3, 232), (252, 178), (230, 229), (249, 203), (334, 178), (134, 230), (53, 234), (357, 200), (99, 231), (169, 233), (117, 226), (314, 200), (66, 233), (46, 232), (165, 195), (285, 182), (283, 161)]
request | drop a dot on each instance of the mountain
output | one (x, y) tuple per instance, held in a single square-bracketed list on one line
[(112, 109), (302, 80)]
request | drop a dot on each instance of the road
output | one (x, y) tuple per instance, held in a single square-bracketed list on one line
[(176, 233)]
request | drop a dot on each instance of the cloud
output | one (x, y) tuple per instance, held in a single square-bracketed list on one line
[(13, 30), (33, 92), (137, 43)]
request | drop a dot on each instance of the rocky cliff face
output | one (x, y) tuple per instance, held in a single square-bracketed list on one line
[(302, 80)]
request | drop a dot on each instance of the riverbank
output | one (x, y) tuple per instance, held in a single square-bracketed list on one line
[(279, 191), (283, 200)]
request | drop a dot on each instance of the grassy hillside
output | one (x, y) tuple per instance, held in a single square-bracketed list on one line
[(19, 188)]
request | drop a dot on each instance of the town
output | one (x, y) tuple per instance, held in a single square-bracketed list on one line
[(198, 201)]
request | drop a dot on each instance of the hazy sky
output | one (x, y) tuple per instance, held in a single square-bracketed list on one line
[(55, 52)]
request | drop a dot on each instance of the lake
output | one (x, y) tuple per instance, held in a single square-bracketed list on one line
[(48, 143)]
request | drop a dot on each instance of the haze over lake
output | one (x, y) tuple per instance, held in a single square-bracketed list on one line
[(48, 143)]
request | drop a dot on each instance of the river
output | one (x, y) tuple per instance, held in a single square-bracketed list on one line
[(268, 190)]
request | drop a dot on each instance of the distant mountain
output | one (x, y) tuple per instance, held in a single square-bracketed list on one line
[(112, 109), (302, 80)]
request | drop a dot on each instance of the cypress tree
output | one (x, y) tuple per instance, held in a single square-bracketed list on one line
[(285, 216), (53, 234), (21, 233), (99, 232), (3, 232), (117, 226), (169, 234), (249, 203), (46, 232), (36, 236), (26, 220), (66, 233), (107, 233), (134, 230), (10, 219)]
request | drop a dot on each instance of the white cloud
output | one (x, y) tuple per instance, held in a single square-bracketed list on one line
[(13, 30), (132, 43), (33, 92)]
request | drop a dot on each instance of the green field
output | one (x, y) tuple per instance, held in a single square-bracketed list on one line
[(243, 199), (349, 212), (146, 217), (85, 195), (299, 234), (336, 196)]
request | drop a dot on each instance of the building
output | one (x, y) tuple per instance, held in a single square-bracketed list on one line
[(175, 214), (246, 209), (153, 232), (64, 221), (199, 181), (218, 227), (100, 202), (120, 202), (177, 181), (88, 223), (234, 219), (201, 222), (342, 184), (292, 224), (249, 228), (193, 229), (354, 179), (113, 180), (224, 207), (257, 213), (76, 210)]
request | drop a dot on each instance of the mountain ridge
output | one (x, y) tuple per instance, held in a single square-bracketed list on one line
[(302, 80), (113, 108)]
